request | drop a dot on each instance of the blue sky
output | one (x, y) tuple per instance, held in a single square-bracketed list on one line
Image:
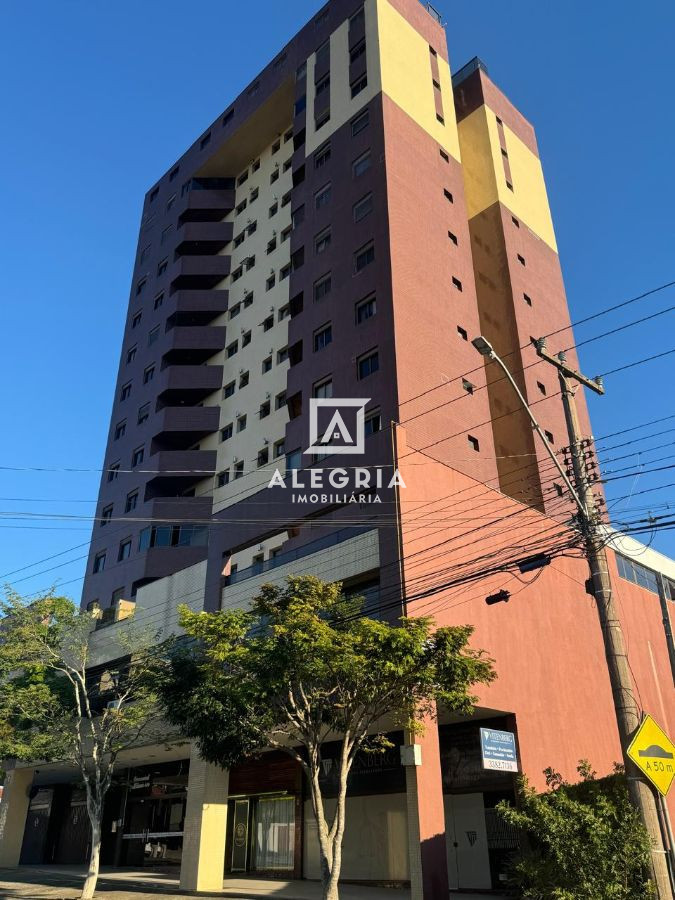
[(101, 98)]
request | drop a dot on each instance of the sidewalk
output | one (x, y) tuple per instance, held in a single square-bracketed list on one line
[(63, 883)]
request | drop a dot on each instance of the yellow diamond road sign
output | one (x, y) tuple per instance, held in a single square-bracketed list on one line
[(653, 752)]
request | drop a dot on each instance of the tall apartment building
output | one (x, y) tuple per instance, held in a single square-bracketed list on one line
[(343, 230)]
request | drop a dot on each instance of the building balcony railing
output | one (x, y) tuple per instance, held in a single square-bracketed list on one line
[(178, 385), (199, 272), (178, 427), (198, 307), (202, 238), (178, 470), (162, 561), (206, 205), (180, 510)]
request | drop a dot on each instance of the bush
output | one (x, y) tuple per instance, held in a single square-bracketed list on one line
[(581, 842)]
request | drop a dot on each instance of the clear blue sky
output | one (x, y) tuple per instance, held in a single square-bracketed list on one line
[(101, 98)]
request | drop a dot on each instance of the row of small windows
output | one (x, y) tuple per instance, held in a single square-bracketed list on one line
[(155, 536), (113, 470)]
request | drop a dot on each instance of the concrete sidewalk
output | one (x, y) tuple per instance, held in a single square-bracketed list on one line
[(64, 882)]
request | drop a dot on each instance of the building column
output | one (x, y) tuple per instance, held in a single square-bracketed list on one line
[(13, 812), (427, 852), (203, 861)]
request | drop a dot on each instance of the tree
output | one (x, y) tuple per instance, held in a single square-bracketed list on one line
[(302, 666), (583, 841), (56, 706)]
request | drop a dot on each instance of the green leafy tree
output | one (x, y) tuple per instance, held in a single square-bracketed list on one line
[(583, 841), (304, 666), (56, 706)]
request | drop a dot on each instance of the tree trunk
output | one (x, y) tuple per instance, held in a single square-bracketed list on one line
[(330, 840), (95, 854)]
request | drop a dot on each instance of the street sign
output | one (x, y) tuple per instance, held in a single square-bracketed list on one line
[(653, 753), (498, 750)]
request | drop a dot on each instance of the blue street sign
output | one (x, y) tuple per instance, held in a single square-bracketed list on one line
[(498, 750)]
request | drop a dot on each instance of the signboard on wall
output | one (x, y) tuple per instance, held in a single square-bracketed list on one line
[(498, 750)]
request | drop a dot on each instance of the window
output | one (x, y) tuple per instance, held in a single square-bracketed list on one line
[(322, 196), (276, 146), (131, 501), (365, 309), (162, 267), (268, 323), (357, 50), (357, 19), (239, 469), (542, 388), (509, 185), (252, 227), (136, 321), (286, 199), (521, 259), (474, 442), (125, 393), (294, 405), (462, 332), (322, 241), (239, 239), (248, 299), (361, 164), (286, 233), (159, 299), (143, 413), (113, 471), (173, 173), (321, 119), (323, 337), (549, 437), (359, 85), (271, 281), (280, 400), (288, 136), (361, 122), (263, 457), (432, 51), (323, 390), (440, 118), (166, 234), (453, 237), (226, 432), (120, 430), (265, 409), (362, 207), (322, 155), (253, 196), (275, 175), (153, 194), (322, 287), (125, 550), (137, 457), (245, 338), (273, 209), (235, 310), (148, 374), (241, 206), (322, 85), (249, 262), (241, 423), (368, 364), (444, 156), (515, 221), (140, 287), (279, 448), (457, 283), (282, 355), (364, 256), (266, 364), (297, 259), (99, 562), (106, 514), (223, 478), (229, 115), (145, 252), (153, 335), (467, 386), (243, 379), (294, 460), (448, 196), (633, 571), (232, 349), (271, 245), (228, 390), (116, 596), (170, 202), (372, 422), (301, 71), (527, 299), (242, 178)]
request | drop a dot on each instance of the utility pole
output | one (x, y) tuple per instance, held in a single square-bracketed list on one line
[(626, 708)]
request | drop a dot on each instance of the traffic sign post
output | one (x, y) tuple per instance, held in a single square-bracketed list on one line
[(498, 750)]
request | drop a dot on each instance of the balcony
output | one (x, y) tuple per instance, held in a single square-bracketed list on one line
[(190, 345), (180, 510), (203, 238), (163, 561), (199, 272), (207, 205), (187, 385), (179, 470), (179, 427)]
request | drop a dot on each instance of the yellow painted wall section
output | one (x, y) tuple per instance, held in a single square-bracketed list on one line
[(407, 80), (484, 178)]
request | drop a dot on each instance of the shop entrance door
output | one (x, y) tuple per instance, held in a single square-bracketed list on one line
[(274, 834)]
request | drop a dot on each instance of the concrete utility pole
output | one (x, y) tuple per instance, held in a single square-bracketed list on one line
[(626, 708)]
